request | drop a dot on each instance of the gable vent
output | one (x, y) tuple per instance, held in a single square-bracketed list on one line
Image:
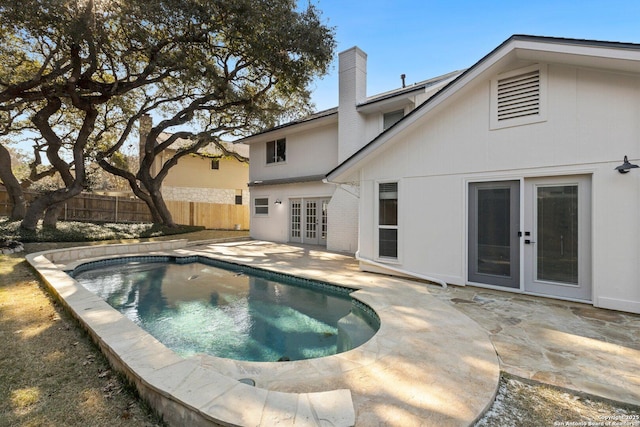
[(519, 96)]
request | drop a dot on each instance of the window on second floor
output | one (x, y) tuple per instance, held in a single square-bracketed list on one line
[(277, 151), (390, 119), (215, 164)]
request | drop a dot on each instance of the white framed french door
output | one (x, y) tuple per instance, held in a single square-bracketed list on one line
[(532, 235), (308, 221), (557, 237)]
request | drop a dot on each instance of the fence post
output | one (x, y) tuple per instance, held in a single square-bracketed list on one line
[(116, 213)]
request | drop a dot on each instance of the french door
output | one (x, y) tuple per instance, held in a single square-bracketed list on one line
[(553, 241), (558, 250), (308, 221), (494, 244)]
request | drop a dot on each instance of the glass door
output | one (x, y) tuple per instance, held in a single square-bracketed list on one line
[(557, 245), (311, 222), (308, 221), (296, 220), (494, 224), (324, 225)]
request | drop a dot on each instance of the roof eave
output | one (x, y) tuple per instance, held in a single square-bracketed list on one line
[(520, 45), (288, 128)]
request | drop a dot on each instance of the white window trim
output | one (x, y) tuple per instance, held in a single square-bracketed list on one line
[(276, 161), (519, 121), (255, 206), (377, 226)]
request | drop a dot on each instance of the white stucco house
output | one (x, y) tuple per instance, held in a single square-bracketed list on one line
[(289, 200), (507, 177)]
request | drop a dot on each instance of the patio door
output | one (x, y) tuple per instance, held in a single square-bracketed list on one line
[(557, 239), (308, 221), (494, 224)]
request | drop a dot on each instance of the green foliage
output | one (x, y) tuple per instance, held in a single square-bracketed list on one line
[(83, 72), (74, 231)]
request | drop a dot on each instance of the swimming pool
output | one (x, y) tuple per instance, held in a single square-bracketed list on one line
[(196, 305)]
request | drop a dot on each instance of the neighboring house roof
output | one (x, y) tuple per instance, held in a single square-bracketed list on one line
[(591, 53), (210, 150)]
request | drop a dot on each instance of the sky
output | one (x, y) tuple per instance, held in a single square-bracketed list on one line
[(426, 38)]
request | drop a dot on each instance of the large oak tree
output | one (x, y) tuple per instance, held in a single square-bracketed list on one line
[(85, 71)]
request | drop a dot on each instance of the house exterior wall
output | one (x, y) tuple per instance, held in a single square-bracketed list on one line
[(193, 180), (311, 152), (223, 196), (343, 219), (593, 120), (195, 171), (319, 149), (274, 226)]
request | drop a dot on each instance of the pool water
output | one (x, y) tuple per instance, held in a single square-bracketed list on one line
[(198, 308)]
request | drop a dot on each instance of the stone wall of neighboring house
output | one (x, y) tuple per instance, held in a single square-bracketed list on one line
[(205, 195)]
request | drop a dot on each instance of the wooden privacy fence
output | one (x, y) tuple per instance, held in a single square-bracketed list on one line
[(210, 215), (91, 207), (98, 208)]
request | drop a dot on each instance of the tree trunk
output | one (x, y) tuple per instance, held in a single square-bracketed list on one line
[(163, 210), (37, 208), (156, 218), (16, 194), (133, 184), (51, 215)]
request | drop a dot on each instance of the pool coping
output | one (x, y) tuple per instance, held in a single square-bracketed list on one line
[(204, 390)]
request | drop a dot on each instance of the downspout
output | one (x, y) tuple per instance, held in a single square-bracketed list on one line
[(401, 271)]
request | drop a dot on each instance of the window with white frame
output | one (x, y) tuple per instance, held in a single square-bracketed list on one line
[(388, 220), (261, 206), (519, 97), (390, 119), (277, 151)]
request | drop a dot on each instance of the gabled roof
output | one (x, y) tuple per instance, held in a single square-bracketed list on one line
[(416, 87), (210, 150), (313, 119), (323, 116), (617, 56)]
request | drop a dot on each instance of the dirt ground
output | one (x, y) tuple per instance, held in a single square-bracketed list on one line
[(51, 373)]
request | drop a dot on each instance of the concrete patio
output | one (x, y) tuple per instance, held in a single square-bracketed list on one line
[(566, 344), (428, 365)]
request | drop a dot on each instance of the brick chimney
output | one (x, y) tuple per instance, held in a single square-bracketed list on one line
[(352, 90)]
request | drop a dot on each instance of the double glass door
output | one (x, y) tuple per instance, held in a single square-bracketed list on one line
[(308, 221), (548, 253)]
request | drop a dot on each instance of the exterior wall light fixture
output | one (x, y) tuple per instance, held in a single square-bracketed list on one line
[(279, 202), (625, 166)]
